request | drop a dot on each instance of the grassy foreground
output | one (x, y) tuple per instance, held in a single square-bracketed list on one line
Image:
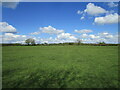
[(60, 66)]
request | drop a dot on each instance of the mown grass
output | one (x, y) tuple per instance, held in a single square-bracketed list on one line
[(60, 67)]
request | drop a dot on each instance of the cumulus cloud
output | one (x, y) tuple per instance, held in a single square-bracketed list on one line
[(51, 30), (12, 38), (8, 35), (100, 37), (83, 31), (62, 38), (106, 35), (111, 4), (84, 35), (66, 36), (93, 36), (110, 38), (91, 9), (48, 40), (5, 27), (82, 17), (79, 12), (108, 19), (35, 33)]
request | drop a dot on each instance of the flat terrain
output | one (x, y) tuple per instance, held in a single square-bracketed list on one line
[(60, 66)]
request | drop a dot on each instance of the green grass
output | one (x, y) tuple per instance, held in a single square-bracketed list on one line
[(60, 67)]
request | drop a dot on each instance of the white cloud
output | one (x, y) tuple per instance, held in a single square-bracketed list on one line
[(5, 27), (51, 30), (91, 9), (79, 12), (48, 40), (111, 4), (93, 36), (108, 19), (83, 31), (12, 38), (110, 38), (63, 37), (105, 36), (35, 33), (84, 36), (66, 36), (82, 17), (60, 38)]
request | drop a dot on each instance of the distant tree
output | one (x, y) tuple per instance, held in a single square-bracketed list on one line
[(101, 42), (33, 42), (45, 43), (27, 41), (79, 41), (71, 43), (30, 41)]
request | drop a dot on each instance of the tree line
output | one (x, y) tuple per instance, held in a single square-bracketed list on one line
[(31, 42)]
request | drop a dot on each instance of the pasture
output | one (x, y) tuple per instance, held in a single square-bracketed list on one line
[(60, 66)]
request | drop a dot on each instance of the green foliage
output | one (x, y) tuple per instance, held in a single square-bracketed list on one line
[(30, 41), (27, 41), (45, 44), (71, 43), (62, 44), (79, 41), (60, 67), (101, 42)]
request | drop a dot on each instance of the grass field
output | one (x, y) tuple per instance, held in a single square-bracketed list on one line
[(60, 66)]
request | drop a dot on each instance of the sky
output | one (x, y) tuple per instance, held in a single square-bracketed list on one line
[(59, 22)]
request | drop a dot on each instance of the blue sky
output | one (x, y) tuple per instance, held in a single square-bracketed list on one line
[(60, 22)]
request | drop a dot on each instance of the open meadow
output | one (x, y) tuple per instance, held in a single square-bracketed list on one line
[(60, 66)]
